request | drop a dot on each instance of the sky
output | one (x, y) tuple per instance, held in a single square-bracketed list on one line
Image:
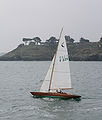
[(45, 18)]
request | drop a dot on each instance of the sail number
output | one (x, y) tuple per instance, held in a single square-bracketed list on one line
[(63, 58)]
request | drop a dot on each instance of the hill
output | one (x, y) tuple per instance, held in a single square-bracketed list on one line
[(86, 51)]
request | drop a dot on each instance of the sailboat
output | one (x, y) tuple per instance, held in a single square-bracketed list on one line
[(58, 75)]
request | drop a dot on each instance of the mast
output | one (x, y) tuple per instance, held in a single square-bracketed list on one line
[(54, 61)]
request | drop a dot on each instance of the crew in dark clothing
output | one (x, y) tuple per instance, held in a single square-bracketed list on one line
[(58, 91)]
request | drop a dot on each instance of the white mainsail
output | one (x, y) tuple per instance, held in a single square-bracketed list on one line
[(61, 71), (61, 74)]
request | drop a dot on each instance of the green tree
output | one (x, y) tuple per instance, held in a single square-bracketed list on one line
[(101, 39), (37, 40), (26, 40)]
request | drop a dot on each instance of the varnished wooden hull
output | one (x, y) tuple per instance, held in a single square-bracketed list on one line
[(54, 95)]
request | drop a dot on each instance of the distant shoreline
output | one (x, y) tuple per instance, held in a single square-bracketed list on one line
[(88, 51)]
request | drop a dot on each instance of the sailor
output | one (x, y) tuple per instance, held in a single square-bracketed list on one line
[(59, 90)]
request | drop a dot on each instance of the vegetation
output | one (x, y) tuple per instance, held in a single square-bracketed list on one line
[(83, 40), (69, 39), (38, 50), (101, 39)]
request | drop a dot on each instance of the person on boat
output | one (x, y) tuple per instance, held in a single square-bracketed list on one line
[(58, 91)]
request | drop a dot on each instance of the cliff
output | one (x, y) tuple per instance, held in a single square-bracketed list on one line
[(88, 51)]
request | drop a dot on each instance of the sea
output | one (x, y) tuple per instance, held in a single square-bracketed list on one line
[(19, 78)]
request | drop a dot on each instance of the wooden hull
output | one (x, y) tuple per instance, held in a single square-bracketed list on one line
[(54, 95)]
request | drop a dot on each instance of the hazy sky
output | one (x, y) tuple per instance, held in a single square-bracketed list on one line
[(45, 18)]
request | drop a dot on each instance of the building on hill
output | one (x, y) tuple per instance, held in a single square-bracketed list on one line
[(35, 40), (42, 43)]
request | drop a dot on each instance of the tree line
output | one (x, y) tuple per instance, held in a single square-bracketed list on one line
[(53, 40)]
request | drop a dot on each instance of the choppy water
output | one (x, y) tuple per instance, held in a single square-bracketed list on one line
[(17, 79)]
